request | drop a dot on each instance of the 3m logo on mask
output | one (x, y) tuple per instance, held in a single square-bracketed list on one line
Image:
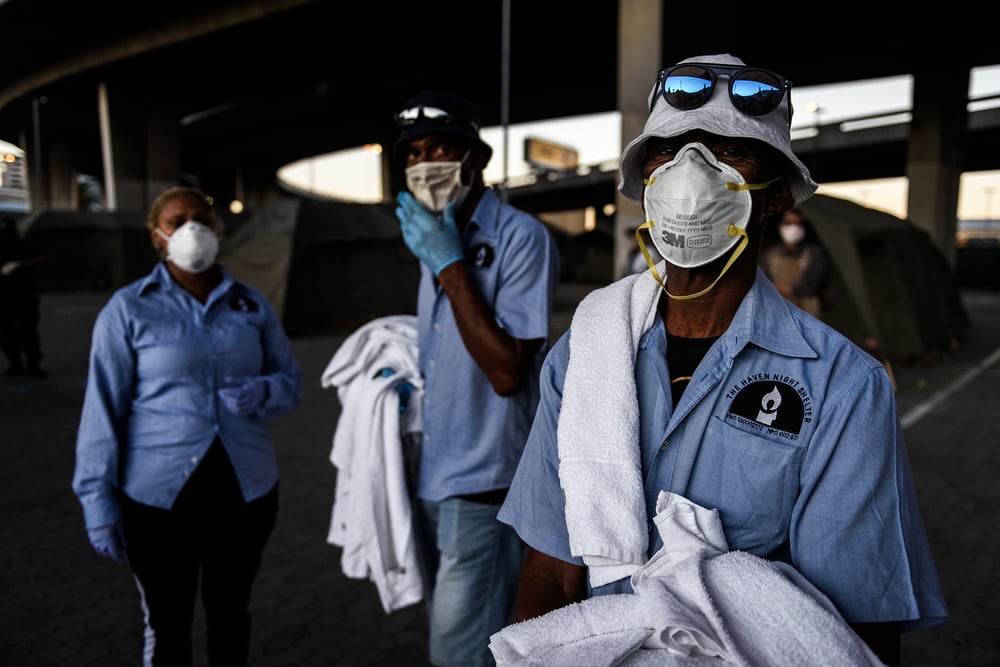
[(671, 239), (770, 403), (683, 241)]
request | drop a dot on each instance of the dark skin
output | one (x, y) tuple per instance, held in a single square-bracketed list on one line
[(505, 360), (175, 213), (549, 583)]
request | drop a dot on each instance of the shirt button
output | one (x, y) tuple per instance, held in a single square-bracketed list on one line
[(194, 459), (430, 363), (437, 326), (663, 447)]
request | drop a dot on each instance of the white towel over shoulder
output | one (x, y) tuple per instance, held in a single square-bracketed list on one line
[(598, 434)]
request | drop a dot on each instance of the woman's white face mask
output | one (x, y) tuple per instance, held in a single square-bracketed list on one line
[(192, 247), (434, 184)]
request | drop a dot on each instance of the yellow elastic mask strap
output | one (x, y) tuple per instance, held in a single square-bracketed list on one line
[(645, 253), (733, 230), (751, 186)]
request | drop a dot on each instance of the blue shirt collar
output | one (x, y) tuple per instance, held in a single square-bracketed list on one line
[(159, 277), (765, 319), (487, 213)]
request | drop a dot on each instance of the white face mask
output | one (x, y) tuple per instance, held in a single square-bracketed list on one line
[(434, 184), (192, 247), (792, 234), (697, 208)]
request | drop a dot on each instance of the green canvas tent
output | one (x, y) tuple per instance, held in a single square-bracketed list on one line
[(326, 266), (892, 285)]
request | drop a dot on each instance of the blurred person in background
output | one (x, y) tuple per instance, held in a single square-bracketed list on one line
[(175, 468), (19, 303), (488, 278), (798, 266)]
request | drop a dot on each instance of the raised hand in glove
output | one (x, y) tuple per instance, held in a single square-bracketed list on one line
[(404, 389), (435, 241), (109, 541), (245, 395)]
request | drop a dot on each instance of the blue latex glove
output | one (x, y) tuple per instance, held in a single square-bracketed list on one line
[(243, 396), (109, 541), (435, 241), (404, 389)]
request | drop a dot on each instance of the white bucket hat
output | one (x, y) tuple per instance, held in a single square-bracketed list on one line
[(718, 116)]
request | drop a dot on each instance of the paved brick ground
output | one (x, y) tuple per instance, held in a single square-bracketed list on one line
[(64, 605)]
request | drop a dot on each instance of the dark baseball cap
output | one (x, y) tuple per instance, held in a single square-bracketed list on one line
[(438, 112)]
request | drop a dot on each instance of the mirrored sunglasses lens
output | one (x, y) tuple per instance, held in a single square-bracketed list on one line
[(687, 87), (756, 92)]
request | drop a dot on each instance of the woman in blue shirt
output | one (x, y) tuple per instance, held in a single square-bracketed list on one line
[(175, 468)]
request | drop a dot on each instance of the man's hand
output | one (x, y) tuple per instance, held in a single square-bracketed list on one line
[(435, 241)]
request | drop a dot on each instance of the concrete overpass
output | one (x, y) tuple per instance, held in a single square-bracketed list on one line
[(222, 94)]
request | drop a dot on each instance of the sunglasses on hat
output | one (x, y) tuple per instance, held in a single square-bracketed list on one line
[(411, 115), (753, 91)]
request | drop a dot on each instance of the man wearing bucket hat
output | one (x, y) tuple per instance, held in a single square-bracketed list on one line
[(695, 379), (488, 278)]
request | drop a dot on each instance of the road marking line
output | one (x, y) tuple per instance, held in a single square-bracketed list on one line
[(917, 413)]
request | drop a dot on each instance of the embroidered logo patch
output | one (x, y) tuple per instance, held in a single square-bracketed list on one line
[(243, 304), (482, 255), (773, 404)]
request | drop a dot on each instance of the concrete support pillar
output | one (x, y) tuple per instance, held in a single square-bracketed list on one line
[(49, 157), (142, 136), (936, 154), (392, 180), (61, 171), (639, 53)]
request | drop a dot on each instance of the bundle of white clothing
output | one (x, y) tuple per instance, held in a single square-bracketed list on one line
[(694, 603), (371, 517)]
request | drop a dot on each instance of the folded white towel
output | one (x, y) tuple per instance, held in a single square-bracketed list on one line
[(695, 603), (598, 434)]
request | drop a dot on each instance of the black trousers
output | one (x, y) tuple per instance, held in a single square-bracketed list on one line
[(212, 533)]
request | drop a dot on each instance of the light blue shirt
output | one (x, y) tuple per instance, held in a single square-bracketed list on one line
[(823, 482), (151, 411), (472, 436)]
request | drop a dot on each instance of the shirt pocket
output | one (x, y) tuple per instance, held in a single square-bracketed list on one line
[(755, 479)]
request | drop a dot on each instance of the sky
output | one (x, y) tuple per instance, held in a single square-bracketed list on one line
[(355, 174)]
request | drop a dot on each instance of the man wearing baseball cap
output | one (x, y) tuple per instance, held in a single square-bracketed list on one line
[(696, 382), (488, 278)]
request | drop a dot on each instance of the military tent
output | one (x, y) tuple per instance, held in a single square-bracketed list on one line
[(89, 250), (893, 290), (326, 266)]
